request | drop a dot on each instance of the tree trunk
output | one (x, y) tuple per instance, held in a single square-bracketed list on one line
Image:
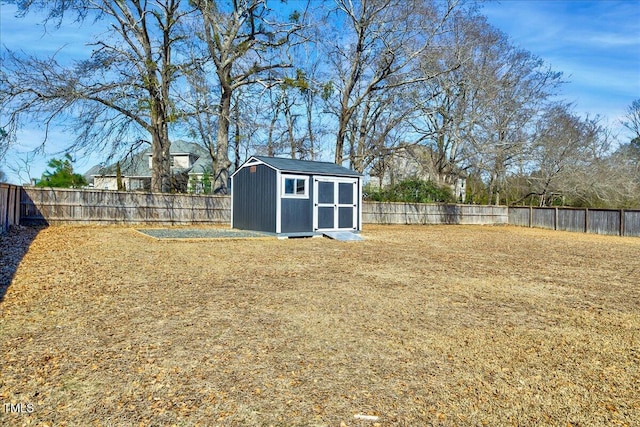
[(271, 148), (221, 162), (160, 163), (361, 146), (309, 105), (236, 140), (289, 119), (119, 183), (342, 133)]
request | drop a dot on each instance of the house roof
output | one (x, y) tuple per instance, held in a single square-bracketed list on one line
[(185, 147), (305, 166), (202, 165), (94, 171), (137, 165)]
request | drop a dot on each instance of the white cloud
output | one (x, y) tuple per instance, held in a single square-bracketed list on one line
[(613, 40), (596, 44)]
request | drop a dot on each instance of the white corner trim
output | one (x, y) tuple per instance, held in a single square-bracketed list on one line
[(278, 202)]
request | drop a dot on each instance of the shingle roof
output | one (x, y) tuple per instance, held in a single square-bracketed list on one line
[(185, 147), (202, 165), (132, 166), (137, 165), (306, 166)]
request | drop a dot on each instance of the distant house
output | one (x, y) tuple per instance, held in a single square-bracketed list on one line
[(415, 161), (190, 164)]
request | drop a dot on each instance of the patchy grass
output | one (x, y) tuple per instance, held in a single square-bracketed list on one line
[(431, 325)]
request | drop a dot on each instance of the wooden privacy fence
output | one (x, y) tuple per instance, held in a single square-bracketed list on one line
[(418, 213), (69, 206), (9, 206), (618, 222), (31, 206)]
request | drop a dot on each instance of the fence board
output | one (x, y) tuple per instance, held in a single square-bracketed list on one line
[(544, 218), (519, 216), (571, 220), (4, 207), (9, 206), (604, 222), (632, 223)]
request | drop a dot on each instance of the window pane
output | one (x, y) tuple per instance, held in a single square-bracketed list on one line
[(300, 186), (325, 192), (345, 193), (345, 217), (325, 217), (288, 186)]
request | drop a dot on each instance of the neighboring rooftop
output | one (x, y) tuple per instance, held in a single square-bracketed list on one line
[(137, 164)]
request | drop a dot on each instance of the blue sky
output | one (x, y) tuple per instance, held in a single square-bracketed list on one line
[(596, 44), (28, 35)]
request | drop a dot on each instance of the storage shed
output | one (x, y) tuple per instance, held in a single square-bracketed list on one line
[(295, 197)]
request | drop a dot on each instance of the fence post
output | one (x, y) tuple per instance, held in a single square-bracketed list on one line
[(4, 216), (530, 216), (622, 222), (18, 199), (5, 220), (555, 219), (586, 220)]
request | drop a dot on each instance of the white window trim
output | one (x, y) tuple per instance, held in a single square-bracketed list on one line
[(294, 196)]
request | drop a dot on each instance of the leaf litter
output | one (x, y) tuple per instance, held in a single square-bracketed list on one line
[(417, 325)]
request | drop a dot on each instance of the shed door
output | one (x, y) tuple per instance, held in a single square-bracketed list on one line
[(335, 204)]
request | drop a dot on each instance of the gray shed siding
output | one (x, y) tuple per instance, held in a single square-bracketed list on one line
[(259, 202), (254, 199), (297, 215)]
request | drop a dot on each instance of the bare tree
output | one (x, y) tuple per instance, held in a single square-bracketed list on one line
[(632, 121), (384, 127), (571, 162), (625, 166), (282, 101), (245, 41), (5, 140), (198, 100), (445, 100), (124, 88), (22, 167), (377, 50), (510, 87), (563, 146), (291, 108)]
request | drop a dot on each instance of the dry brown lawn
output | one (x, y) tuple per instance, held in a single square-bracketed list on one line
[(424, 325)]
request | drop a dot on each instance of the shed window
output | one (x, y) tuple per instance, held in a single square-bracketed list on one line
[(295, 186)]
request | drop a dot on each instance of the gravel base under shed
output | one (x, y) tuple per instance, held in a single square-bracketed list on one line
[(200, 233)]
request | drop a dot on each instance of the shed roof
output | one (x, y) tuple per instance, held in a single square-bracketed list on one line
[(306, 166)]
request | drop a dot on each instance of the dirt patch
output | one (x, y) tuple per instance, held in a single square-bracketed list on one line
[(417, 325)]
